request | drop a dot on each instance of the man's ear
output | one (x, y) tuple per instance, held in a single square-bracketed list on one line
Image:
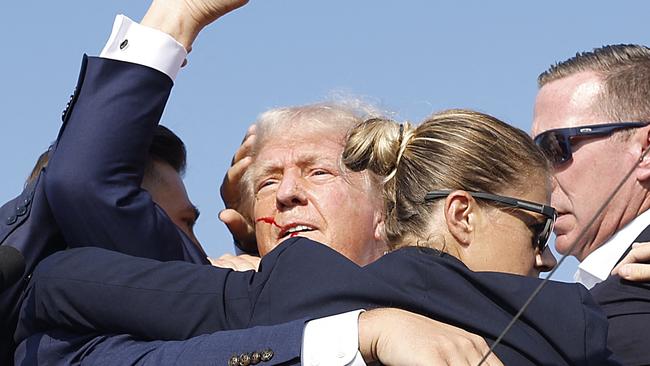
[(380, 226), (643, 168), (380, 233), (460, 210)]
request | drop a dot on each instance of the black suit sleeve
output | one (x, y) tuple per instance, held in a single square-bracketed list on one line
[(63, 348), (95, 172), (92, 290), (627, 306)]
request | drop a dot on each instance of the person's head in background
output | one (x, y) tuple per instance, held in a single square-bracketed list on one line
[(162, 178), (295, 185), (430, 173), (591, 115)]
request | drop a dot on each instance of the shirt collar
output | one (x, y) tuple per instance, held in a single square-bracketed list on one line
[(597, 266)]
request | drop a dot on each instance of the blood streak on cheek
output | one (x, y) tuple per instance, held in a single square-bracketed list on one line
[(268, 220)]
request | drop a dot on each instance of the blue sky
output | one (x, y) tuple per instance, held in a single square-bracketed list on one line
[(410, 57)]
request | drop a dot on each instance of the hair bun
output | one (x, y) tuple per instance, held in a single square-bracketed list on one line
[(374, 145)]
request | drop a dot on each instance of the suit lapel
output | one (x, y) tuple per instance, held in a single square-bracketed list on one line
[(644, 236)]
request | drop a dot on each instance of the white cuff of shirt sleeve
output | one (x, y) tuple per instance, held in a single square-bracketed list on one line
[(138, 44), (332, 341)]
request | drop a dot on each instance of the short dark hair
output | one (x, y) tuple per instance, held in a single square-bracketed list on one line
[(166, 147)]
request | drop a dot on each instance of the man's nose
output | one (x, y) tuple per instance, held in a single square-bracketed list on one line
[(291, 192)]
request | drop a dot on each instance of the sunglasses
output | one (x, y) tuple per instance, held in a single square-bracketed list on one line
[(556, 143), (541, 231)]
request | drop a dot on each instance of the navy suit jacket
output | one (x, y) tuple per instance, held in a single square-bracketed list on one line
[(27, 224), (627, 306), (301, 278), (90, 195)]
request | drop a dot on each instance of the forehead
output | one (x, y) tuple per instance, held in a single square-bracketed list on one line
[(568, 102), (298, 147)]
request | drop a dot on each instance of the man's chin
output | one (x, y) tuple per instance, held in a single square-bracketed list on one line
[(563, 244), (566, 245)]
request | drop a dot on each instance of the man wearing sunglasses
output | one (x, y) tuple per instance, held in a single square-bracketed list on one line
[(592, 118)]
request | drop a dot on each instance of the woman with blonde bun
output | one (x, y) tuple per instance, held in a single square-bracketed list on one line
[(456, 183)]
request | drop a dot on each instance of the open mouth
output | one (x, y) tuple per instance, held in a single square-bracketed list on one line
[(293, 230)]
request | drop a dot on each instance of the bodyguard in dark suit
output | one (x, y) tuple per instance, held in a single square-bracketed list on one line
[(591, 117), (627, 306), (27, 225)]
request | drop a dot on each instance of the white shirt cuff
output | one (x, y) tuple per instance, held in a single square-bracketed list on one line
[(333, 340), (135, 43)]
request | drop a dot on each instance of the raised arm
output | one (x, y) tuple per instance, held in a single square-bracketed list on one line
[(95, 172)]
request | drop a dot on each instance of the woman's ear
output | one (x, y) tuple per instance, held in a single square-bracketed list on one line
[(460, 211)]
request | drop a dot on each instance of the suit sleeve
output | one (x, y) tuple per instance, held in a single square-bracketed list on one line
[(596, 329), (95, 171), (92, 290), (627, 306), (62, 348)]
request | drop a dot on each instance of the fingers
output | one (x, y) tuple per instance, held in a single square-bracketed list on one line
[(239, 263), (240, 229), (456, 349), (483, 348), (245, 148), (492, 360), (230, 191), (635, 267), (240, 162), (467, 349), (635, 272)]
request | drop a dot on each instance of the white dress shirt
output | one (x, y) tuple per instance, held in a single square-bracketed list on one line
[(597, 266), (331, 341), (135, 43)]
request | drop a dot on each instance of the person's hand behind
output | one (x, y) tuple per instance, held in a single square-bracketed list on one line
[(636, 265), (242, 231), (205, 12), (184, 19), (398, 337), (238, 263)]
